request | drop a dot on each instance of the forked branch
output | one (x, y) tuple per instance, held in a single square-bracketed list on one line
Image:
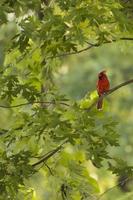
[(49, 154)]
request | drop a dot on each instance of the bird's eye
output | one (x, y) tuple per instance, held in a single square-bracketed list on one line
[(100, 76)]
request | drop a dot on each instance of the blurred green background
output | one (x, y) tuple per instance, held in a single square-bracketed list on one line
[(76, 77)]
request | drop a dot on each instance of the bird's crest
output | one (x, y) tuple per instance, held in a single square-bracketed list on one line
[(102, 73)]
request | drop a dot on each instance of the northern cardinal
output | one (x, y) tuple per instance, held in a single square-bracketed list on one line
[(103, 86)]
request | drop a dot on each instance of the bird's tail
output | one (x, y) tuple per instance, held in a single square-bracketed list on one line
[(100, 104)]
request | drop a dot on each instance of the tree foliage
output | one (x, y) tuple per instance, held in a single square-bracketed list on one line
[(45, 129)]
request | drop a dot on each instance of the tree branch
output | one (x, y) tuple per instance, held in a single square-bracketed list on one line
[(49, 154), (49, 169), (110, 92), (39, 102), (71, 53), (89, 47), (65, 104)]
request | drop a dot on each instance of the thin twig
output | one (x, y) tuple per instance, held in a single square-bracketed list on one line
[(49, 169), (71, 53), (91, 45), (39, 102), (49, 154), (110, 92)]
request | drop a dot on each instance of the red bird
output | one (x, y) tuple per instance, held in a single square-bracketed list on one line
[(103, 86)]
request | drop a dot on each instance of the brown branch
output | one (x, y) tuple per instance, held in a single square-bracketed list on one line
[(49, 169), (71, 53), (110, 92), (126, 38), (46, 165), (89, 47), (39, 102), (49, 154)]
